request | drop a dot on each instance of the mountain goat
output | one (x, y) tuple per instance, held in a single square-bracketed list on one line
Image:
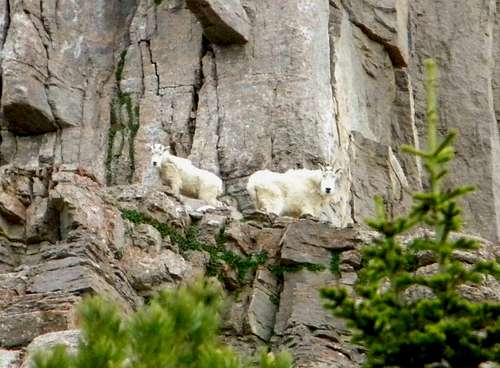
[(296, 193), (182, 177)]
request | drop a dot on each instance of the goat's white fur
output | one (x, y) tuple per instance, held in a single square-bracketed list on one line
[(182, 177), (294, 193)]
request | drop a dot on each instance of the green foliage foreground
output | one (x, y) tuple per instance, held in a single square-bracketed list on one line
[(177, 329), (439, 327)]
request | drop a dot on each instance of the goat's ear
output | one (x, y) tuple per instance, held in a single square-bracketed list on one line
[(338, 171)]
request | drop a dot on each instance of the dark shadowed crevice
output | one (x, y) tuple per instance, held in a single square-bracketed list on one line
[(154, 63), (219, 116), (7, 25), (206, 48), (333, 32)]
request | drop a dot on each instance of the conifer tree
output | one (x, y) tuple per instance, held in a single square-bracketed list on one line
[(177, 329), (440, 327)]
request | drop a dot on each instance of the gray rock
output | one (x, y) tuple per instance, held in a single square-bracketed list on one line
[(149, 273), (224, 22), (42, 222), (10, 358), (12, 209), (263, 305), (42, 343), (28, 316), (351, 257), (307, 241), (147, 238), (79, 208), (466, 98), (11, 231), (300, 302), (385, 22)]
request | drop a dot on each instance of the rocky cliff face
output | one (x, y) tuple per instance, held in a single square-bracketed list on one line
[(235, 86)]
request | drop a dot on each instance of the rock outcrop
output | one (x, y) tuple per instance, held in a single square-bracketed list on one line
[(236, 86)]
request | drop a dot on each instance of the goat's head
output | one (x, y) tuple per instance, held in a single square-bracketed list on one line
[(329, 180), (157, 152)]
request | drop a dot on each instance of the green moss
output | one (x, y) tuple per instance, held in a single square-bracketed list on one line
[(120, 66), (335, 264), (158, 2), (274, 299), (218, 254), (279, 270), (128, 125), (135, 217)]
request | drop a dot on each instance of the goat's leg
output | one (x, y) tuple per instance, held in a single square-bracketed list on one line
[(170, 177), (209, 193)]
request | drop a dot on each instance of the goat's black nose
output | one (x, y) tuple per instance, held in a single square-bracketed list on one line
[(154, 163), (328, 190)]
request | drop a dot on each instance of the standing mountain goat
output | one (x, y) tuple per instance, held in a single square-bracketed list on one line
[(294, 193), (182, 177)]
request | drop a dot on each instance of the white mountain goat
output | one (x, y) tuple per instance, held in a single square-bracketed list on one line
[(296, 193), (182, 177)]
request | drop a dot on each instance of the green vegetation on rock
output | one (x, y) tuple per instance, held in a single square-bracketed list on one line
[(407, 318), (335, 264), (178, 329), (279, 270), (219, 255), (127, 126)]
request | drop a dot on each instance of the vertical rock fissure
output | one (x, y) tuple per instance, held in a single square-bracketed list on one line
[(333, 82), (219, 117), (155, 66), (127, 126), (7, 26), (200, 80), (47, 52)]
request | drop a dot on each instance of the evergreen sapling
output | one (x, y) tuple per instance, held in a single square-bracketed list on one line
[(440, 327)]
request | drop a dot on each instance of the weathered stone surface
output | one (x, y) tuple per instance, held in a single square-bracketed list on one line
[(10, 358), (210, 227), (79, 209), (263, 305), (303, 305), (147, 238), (11, 231), (10, 254), (386, 22), (376, 171), (224, 22), (269, 240), (153, 203), (307, 241), (25, 72), (28, 316), (42, 222), (466, 61), (11, 208), (69, 339), (149, 273)]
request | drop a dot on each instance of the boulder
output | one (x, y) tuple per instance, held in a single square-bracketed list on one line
[(224, 21)]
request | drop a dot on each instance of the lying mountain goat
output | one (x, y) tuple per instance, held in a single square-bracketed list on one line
[(182, 177), (296, 193)]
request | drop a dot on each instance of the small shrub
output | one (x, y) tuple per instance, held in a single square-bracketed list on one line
[(443, 330), (178, 329), (279, 270)]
